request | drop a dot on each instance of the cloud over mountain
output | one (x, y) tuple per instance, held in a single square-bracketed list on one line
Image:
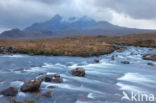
[(130, 13)]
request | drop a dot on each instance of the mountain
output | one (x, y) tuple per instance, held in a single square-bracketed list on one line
[(58, 27)]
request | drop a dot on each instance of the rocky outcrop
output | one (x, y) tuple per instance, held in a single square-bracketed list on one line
[(11, 91), (149, 57), (125, 62), (31, 86), (78, 72)]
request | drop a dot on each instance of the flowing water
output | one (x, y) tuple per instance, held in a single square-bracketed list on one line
[(104, 81)]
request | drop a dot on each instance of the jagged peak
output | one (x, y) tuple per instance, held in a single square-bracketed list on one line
[(56, 18)]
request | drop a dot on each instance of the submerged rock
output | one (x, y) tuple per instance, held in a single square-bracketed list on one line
[(31, 86), (151, 64), (125, 62), (78, 72), (20, 69), (11, 91), (52, 86), (149, 57), (46, 94), (113, 57), (121, 49)]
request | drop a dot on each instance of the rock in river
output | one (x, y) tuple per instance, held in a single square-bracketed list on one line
[(53, 78), (56, 78), (78, 72), (96, 61), (31, 86), (125, 62), (52, 86), (11, 91), (150, 57), (48, 78), (151, 64)]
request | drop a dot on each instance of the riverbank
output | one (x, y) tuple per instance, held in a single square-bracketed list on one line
[(83, 46)]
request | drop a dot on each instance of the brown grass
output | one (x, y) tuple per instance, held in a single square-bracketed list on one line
[(79, 45), (68, 46)]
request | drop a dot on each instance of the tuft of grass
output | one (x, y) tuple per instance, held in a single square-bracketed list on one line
[(30, 101)]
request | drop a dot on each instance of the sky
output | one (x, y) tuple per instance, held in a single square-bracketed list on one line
[(128, 13)]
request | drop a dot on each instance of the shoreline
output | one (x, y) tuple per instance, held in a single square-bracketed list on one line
[(33, 52), (116, 48)]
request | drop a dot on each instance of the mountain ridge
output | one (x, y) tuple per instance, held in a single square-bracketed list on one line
[(58, 27)]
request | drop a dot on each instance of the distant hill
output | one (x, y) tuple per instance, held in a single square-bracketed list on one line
[(58, 27)]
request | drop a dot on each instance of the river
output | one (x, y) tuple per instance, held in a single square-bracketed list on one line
[(104, 82)]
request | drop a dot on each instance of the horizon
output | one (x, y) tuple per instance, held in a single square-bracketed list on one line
[(21, 14)]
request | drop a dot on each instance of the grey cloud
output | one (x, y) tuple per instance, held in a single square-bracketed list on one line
[(138, 9), (54, 2), (21, 13)]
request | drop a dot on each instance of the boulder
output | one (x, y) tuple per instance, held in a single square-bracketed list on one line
[(149, 57), (96, 61), (125, 62), (46, 94), (31, 86), (56, 78), (11, 91), (78, 72), (48, 78)]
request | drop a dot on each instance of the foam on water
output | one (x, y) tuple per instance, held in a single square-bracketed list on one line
[(17, 83), (21, 94), (47, 65), (57, 65), (34, 69), (127, 87), (78, 101), (61, 65), (70, 87), (135, 77), (14, 56), (90, 95), (86, 80), (63, 85), (1, 96)]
